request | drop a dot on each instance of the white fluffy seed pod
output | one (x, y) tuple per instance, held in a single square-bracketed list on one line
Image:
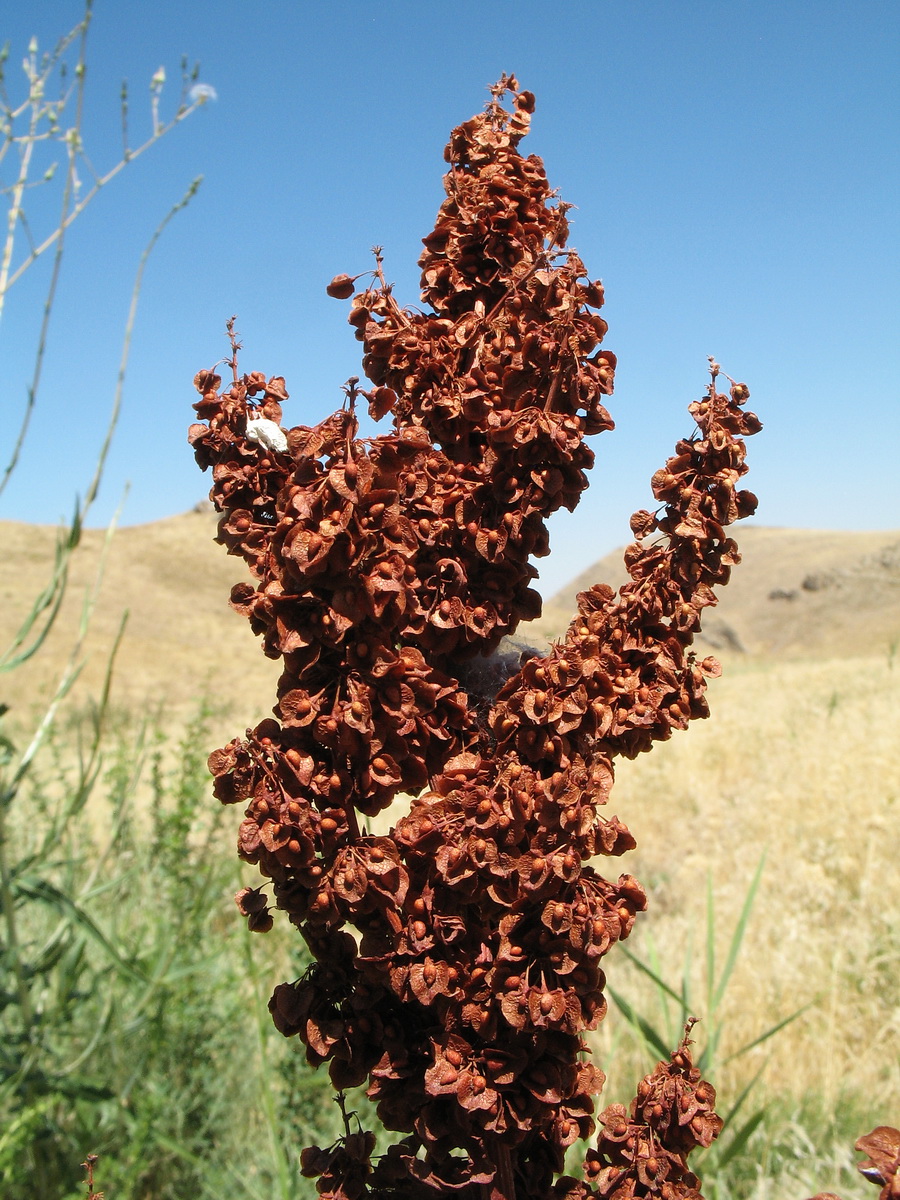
[(267, 433)]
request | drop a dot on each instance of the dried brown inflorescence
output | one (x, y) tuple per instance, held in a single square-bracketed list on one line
[(643, 1151), (383, 570), (881, 1165)]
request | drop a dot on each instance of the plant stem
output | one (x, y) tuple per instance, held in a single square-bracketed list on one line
[(12, 940), (504, 1185)]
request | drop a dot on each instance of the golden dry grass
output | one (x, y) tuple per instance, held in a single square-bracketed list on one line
[(800, 760), (181, 639)]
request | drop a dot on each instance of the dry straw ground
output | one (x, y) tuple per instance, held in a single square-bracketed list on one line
[(801, 759), (813, 779)]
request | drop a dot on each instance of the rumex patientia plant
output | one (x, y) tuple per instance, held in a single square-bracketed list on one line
[(457, 960)]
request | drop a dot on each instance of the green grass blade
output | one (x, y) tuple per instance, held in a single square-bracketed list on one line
[(20, 1128), (173, 1147), (739, 1102), (101, 1029), (740, 1139), (63, 687), (90, 769), (686, 1005), (738, 935), (764, 1037), (654, 975), (650, 1035), (249, 1189), (34, 888), (51, 598), (48, 956), (710, 947), (662, 995)]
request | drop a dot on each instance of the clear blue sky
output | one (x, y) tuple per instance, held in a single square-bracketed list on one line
[(734, 167)]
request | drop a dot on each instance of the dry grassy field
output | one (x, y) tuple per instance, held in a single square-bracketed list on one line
[(800, 762)]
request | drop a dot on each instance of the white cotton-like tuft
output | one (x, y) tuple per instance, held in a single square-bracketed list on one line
[(267, 433), (202, 93)]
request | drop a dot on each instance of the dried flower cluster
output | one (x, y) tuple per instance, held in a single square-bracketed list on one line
[(384, 571), (881, 1165), (643, 1152)]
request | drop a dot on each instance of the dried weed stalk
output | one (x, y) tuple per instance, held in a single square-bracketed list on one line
[(458, 960)]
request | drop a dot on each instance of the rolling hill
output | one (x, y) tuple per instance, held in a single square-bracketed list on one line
[(798, 594)]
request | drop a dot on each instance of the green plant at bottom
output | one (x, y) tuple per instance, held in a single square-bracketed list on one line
[(137, 966), (678, 1004)]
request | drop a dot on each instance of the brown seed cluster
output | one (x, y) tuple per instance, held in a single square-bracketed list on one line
[(643, 1151), (881, 1165), (384, 571)]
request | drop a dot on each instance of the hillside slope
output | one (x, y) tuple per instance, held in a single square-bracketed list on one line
[(797, 594), (181, 640)]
